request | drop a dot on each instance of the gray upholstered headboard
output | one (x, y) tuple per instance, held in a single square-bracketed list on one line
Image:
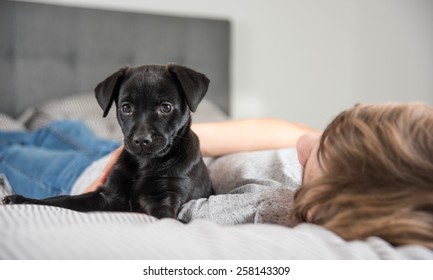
[(49, 51)]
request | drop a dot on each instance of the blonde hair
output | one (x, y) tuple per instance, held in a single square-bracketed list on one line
[(377, 163)]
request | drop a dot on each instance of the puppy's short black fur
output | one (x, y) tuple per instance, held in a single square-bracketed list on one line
[(161, 166)]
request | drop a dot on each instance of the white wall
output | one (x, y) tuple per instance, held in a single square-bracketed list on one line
[(306, 60)]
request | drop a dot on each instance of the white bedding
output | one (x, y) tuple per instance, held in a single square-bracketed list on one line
[(41, 232)]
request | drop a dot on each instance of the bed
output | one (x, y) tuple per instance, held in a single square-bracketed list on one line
[(51, 57)]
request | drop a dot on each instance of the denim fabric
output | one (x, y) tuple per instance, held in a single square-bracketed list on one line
[(47, 162)]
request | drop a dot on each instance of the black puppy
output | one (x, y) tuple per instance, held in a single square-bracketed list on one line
[(161, 166)]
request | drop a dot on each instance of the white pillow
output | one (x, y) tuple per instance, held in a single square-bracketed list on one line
[(82, 107), (10, 124)]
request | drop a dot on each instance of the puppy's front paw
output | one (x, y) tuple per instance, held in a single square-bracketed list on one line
[(14, 199)]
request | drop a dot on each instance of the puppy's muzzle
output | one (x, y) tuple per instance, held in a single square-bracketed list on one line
[(142, 140), (146, 142)]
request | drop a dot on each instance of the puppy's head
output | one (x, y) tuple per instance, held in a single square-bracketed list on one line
[(153, 104)]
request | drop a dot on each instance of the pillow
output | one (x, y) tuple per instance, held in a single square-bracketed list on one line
[(8, 123), (85, 108), (207, 111)]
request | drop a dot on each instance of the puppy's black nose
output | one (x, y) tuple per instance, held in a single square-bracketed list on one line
[(144, 140)]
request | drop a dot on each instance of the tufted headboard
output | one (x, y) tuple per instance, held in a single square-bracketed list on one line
[(49, 51)]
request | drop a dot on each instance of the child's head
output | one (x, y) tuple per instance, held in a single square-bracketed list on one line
[(372, 174)]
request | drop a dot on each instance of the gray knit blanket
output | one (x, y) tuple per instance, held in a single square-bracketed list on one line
[(253, 187)]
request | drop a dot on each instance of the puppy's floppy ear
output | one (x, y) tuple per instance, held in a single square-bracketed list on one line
[(193, 84), (108, 90)]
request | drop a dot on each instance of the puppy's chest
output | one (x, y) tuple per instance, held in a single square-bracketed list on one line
[(156, 180), (152, 190)]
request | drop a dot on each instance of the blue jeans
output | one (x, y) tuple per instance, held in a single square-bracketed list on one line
[(48, 161)]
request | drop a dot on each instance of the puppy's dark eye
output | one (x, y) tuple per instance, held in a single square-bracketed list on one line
[(126, 108), (165, 108)]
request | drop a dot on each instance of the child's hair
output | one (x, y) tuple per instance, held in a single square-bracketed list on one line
[(377, 163)]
